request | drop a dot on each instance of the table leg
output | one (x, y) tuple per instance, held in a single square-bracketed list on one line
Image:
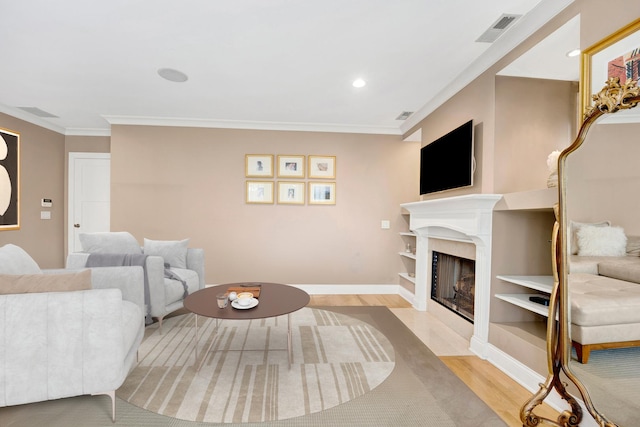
[(197, 339), (289, 349)]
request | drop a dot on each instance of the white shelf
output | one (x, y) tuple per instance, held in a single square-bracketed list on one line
[(406, 276), (407, 254), (409, 238), (522, 300), (538, 283)]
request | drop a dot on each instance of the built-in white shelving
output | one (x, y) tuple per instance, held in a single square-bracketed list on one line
[(542, 284), (409, 238), (408, 254), (406, 276)]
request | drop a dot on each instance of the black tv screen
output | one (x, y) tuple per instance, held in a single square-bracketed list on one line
[(447, 162)]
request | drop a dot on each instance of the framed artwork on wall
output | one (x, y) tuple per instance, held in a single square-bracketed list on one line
[(323, 167), (290, 166), (259, 192), (322, 193), (9, 180), (616, 56), (291, 193), (258, 165)]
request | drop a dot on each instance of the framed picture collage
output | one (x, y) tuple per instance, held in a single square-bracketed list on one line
[(299, 179)]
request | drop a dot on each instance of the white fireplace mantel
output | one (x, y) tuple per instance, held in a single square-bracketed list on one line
[(463, 218)]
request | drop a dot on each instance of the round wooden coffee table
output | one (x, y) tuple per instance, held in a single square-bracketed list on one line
[(275, 299)]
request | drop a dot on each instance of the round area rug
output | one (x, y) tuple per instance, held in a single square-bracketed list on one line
[(246, 375)]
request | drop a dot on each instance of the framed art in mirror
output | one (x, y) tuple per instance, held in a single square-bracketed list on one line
[(617, 55), (9, 180)]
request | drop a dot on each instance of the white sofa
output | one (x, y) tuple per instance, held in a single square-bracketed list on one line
[(62, 343), (604, 293), (165, 294)]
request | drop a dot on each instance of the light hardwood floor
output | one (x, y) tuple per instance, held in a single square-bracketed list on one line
[(494, 387)]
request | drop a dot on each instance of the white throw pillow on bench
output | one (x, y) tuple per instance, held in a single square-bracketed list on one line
[(601, 241)]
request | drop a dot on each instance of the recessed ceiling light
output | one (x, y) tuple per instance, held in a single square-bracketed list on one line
[(172, 75), (359, 83), (574, 52)]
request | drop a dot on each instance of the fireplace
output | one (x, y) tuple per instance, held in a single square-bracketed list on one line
[(453, 283), (466, 218)]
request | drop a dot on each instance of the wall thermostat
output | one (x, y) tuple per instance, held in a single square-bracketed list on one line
[(46, 203)]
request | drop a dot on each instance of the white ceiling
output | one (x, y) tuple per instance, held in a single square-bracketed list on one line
[(264, 64), (548, 59)]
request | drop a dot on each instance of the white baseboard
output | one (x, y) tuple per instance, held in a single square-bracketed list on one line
[(531, 380), (349, 289)]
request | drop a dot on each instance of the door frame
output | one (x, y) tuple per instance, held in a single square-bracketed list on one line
[(73, 155)]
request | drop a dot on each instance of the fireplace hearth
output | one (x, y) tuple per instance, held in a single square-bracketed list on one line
[(453, 283)]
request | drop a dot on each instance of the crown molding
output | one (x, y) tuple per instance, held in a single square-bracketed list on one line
[(252, 125)]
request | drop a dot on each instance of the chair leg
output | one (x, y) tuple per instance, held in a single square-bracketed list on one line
[(112, 395), (160, 324)]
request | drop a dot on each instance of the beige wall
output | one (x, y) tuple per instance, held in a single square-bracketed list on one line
[(175, 183), (41, 176), (603, 177), (533, 118)]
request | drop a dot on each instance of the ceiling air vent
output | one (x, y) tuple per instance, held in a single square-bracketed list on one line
[(497, 28), (38, 112), (404, 115)]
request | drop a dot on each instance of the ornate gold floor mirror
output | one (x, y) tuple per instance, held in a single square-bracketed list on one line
[(615, 101)]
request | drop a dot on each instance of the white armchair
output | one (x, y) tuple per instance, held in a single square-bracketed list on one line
[(165, 292)]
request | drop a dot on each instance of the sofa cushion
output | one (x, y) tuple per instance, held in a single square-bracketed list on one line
[(584, 264), (627, 268), (115, 242), (31, 283), (598, 300), (601, 241), (174, 252), (15, 260), (174, 291)]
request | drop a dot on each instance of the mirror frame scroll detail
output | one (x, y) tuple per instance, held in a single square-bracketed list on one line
[(612, 98)]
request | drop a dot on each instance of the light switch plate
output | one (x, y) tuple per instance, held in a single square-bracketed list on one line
[(385, 224), (45, 214)]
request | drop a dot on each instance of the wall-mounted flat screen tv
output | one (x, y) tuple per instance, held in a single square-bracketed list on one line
[(447, 162)]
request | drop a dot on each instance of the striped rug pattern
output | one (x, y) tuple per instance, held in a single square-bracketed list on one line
[(246, 376), (612, 378)]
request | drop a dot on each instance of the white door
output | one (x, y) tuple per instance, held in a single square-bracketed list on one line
[(89, 195)]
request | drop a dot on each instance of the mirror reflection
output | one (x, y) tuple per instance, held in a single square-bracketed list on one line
[(603, 248)]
